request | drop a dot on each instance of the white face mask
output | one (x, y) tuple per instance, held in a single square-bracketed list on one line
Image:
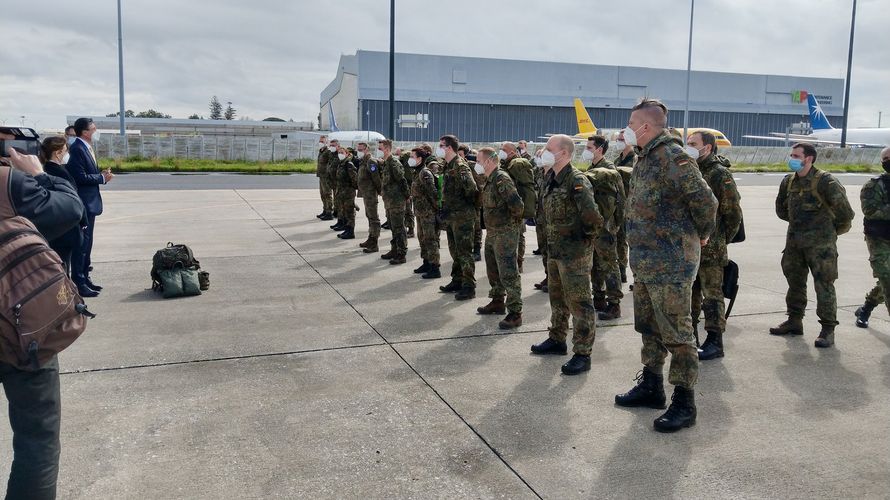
[(440, 152), (547, 159), (95, 138), (65, 158), (502, 155), (360, 155), (630, 135), (341, 156), (587, 155), (332, 149), (692, 152), (620, 145), (412, 162), (71, 139), (479, 169), (380, 153)]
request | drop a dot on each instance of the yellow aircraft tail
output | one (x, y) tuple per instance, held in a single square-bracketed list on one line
[(585, 124)]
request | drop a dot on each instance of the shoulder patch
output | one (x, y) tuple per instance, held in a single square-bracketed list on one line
[(373, 167)]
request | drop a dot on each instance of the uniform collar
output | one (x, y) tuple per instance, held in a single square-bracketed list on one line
[(663, 138)]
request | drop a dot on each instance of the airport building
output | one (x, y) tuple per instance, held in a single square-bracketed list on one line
[(483, 100)]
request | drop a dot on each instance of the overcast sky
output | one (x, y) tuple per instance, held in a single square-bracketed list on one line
[(274, 57)]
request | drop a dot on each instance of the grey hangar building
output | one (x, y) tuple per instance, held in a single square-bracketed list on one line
[(485, 100)]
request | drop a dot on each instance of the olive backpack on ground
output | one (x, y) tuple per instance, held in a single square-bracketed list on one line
[(41, 312), (175, 272)]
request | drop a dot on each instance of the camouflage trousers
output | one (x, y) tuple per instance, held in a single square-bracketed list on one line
[(500, 265), (605, 276), (409, 215), (327, 198), (520, 246), (399, 241), (459, 231), (797, 264), (346, 205), (371, 202), (477, 231), (879, 258), (541, 233), (621, 246), (875, 296), (569, 284), (428, 237), (707, 296), (661, 315)]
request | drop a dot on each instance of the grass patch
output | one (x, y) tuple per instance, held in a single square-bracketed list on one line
[(828, 167)]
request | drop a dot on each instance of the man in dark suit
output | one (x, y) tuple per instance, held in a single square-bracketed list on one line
[(84, 168)]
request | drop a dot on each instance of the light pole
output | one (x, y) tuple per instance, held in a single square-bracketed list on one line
[(847, 86), (120, 66), (392, 70), (688, 73)]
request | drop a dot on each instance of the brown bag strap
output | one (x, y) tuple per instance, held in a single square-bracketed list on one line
[(7, 211)]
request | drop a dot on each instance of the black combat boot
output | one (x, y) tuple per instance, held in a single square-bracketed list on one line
[(347, 234), (371, 246), (599, 304), (791, 326), (365, 243), (432, 273), (681, 413), (423, 267), (397, 259), (496, 306), (648, 392), (340, 225), (826, 336), (388, 255), (451, 287), (465, 293), (385, 225), (578, 364), (319, 216), (536, 251), (713, 346), (327, 216), (862, 315), (612, 311), (542, 284), (513, 320), (550, 346)]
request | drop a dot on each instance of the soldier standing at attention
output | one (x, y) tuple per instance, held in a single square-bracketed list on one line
[(670, 215), (817, 210), (459, 210), (625, 164), (464, 152), (333, 163), (608, 189), (395, 194), (346, 185), (572, 220), (707, 290), (540, 218), (425, 193), (370, 186), (324, 187), (503, 214), (875, 198), (522, 173)]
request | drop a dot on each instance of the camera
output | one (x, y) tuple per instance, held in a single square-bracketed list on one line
[(26, 141)]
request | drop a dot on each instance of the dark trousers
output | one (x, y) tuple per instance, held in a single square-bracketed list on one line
[(35, 414), (80, 256)]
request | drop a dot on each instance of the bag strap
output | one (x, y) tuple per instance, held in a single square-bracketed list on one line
[(7, 210)]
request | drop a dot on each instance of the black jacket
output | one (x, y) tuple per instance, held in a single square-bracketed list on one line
[(48, 202), (73, 237)]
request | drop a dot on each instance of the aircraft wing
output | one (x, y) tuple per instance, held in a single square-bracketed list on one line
[(806, 138)]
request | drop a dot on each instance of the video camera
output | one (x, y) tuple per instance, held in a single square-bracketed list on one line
[(26, 141)]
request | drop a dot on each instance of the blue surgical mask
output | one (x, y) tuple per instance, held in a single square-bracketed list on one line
[(795, 164)]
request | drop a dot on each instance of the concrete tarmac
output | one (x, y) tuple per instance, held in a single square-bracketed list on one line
[(312, 370)]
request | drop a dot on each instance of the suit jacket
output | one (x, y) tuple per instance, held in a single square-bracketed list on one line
[(86, 175)]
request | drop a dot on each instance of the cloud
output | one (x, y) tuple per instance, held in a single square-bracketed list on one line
[(274, 57)]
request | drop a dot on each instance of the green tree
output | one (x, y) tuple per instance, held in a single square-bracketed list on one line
[(215, 109), (152, 114), (230, 112), (195, 117)]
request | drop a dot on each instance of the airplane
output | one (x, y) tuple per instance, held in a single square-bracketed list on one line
[(586, 128), (824, 133), (349, 135)]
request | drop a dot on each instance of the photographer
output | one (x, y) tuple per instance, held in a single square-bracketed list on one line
[(34, 400)]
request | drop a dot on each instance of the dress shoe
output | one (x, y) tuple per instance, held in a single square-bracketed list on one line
[(86, 292), (92, 285), (550, 346), (791, 326), (578, 364), (496, 306), (513, 320), (451, 287), (680, 414), (648, 392)]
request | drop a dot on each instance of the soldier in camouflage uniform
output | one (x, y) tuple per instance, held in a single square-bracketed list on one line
[(503, 214), (395, 193), (425, 193), (670, 215), (707, 290), (875, 198), (333, 164), (609, 193), (540, 218), (625, 162), (347, 183), (572, 220), (459, 209), (522, 173), (464, 152), (324, 188), (370, 186), (817, 210)]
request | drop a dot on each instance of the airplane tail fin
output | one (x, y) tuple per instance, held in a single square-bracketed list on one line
[(334, 127), (585, 124), (818, 120)]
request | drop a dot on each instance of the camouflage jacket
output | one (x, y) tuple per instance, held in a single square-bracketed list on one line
[(459, 190), (573, 218), (424, 192), (729, 209), (347, 175), (608, 190), (875, 198), (333, 164), (626, 161), (501, 204), (369, 181), (395, 185), (321, 167), (815, 206), (670, 209), (603, 163)]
